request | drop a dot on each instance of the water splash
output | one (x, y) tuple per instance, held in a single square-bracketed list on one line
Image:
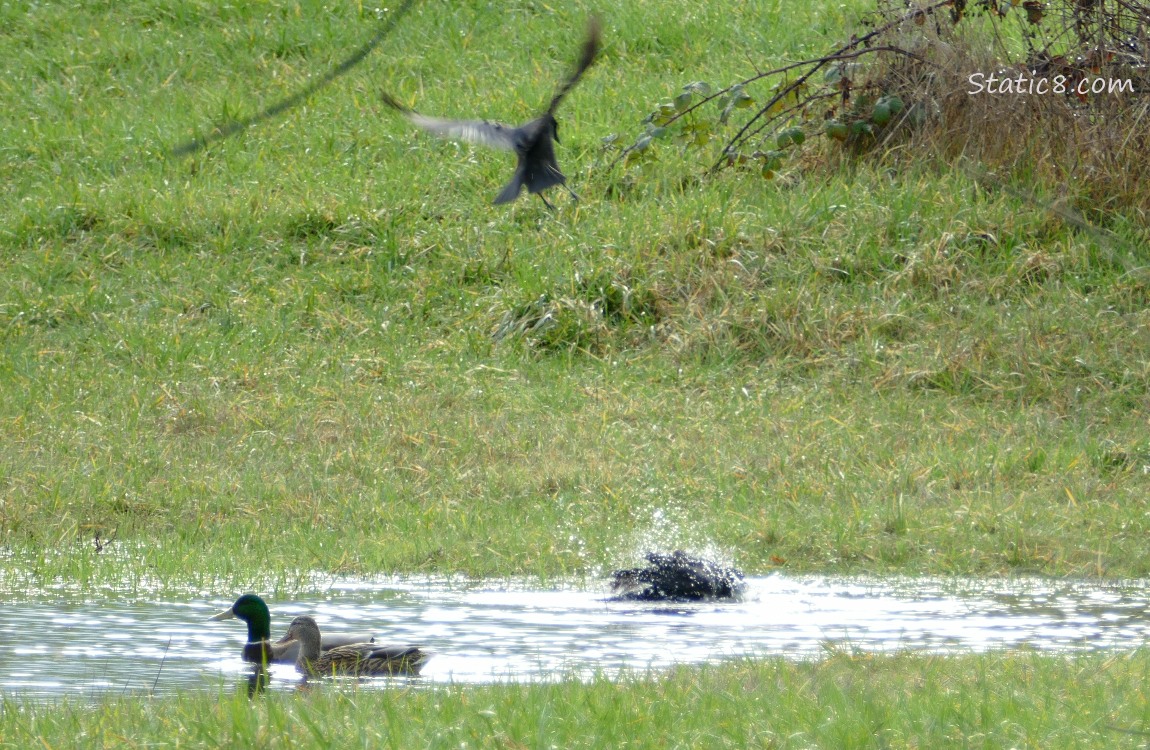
[(483, 631), (666, 527)]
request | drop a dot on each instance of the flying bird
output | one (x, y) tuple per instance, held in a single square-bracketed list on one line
[(532, 142)]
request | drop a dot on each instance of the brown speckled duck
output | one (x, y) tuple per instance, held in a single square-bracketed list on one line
[(356, 659)]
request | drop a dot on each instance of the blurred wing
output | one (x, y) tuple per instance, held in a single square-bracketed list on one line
[(590, 49), (478, 131)]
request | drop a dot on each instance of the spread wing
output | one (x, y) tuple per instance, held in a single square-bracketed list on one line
[(478, 131), (590, 49)]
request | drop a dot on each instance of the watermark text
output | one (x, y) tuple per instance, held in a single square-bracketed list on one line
[(1022, 84)]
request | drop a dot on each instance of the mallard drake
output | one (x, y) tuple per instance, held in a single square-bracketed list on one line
[(358, 659), (677, 577), (259, 649)]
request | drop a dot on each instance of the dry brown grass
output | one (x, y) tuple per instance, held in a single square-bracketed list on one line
[(1089, 147)]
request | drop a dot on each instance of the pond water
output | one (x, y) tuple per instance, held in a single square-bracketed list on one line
[(483, 631)]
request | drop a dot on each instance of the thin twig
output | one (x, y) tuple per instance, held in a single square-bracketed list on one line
[(385, 27), (161, 669), (818, 63), (846, 52), (792, 108)]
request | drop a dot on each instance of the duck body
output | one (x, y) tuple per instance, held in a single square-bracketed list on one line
[(677, 577), (260, 649), (274, 652), (354, 659)]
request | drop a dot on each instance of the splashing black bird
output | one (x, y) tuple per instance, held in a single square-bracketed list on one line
[(677, 577), (537, 168)]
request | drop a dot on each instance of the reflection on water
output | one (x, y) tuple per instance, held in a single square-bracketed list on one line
[(485, 631)]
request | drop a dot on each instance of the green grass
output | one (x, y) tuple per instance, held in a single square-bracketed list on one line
[(317, 343), (316, 346), (994, 701)]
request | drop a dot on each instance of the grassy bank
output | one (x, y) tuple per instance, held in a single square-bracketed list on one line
[(316, 346), (841, 701), (317, 343)]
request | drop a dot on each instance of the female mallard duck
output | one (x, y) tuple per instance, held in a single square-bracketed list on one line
[(259, 649), (358, 659), (677, 577)]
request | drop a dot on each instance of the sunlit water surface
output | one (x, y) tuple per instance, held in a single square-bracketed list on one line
[(489, 631)]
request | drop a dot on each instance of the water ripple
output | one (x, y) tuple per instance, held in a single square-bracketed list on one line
[(487, 631)]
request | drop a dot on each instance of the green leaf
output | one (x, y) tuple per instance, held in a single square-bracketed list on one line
[(663, 114), (836, 130), (881, 114), (636, 157), (790, 135), (727, 110), (683, 100)]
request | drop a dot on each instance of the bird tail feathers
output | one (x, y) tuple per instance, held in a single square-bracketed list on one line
[(511, 190)]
